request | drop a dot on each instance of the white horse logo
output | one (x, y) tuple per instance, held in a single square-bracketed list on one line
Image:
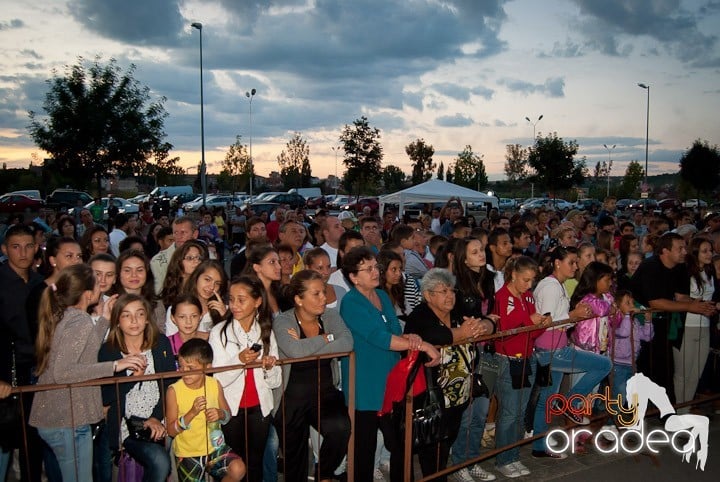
[(641, 389)]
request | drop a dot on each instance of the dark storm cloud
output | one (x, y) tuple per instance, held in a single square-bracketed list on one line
[(566, 50), (666, 21), (553, 87), (139, 22), (11, 24), (457, 120)]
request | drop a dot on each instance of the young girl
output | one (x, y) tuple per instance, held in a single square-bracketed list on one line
[(594, 334), (515, 306), (195, 408), (628, 334), (245, 338), (67, 345), (134, 276), (317, 259), (206, 283), (186, 313), (630, 264)]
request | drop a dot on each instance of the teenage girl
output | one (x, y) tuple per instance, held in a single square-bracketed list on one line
[(206, 283)]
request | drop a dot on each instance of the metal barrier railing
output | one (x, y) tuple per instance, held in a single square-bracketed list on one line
[(408, 455)]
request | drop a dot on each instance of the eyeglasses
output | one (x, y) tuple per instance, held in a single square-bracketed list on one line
[(370, 269), (194, 258), (444, 292)]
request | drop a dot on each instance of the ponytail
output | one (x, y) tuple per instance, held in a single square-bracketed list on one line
[(519, 264), (69, 288)]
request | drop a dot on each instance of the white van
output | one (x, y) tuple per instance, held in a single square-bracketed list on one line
[(307, 192), (171, 191)]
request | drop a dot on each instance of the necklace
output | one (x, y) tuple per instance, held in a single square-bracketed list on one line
[(248, 340)]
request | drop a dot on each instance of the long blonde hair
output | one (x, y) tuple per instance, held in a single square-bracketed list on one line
[(73, 282)]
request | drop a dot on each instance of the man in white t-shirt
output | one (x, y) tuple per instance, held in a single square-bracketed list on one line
[(332, 230)]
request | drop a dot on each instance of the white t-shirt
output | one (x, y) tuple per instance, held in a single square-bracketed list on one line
[(332, 252), (705, 293)]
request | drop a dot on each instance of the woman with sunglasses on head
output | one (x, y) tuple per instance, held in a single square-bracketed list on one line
[(378, 339), (182, 264)]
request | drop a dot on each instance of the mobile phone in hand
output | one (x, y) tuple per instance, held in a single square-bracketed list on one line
[(256, 347)]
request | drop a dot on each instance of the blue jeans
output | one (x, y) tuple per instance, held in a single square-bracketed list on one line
[(472, 426), (73, 450), (621, 374), (4, 464), (270, 472), (567, 360), (510, 424), (152, 456)]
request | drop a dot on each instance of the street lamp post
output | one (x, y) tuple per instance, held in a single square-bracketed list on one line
[(250, 96), (609, 149), (335, 150), (647, 129), (203, 166), (534, 124)]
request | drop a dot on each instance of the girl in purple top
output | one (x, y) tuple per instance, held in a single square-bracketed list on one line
[(186, 312)]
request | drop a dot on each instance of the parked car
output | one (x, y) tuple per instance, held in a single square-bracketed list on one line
[(16, 203), (292, 199), (506, 204), (588, 204), (644, 205), (261, 207), (316, 202), (123, 205), (360, 204), (338, 202), (139, 199), (31, 193), (213, 201), (694, 203), (668, 203), (624, 204), (64, 199)]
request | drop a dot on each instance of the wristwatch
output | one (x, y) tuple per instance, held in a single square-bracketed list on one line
[(330, 337)]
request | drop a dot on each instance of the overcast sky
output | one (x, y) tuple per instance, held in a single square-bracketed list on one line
[(453, 72)]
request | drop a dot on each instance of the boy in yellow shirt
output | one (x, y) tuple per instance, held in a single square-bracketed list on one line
[(195, 410)]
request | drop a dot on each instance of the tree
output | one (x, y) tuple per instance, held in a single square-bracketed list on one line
[(422, 164), (554, 162), (469, 170), (99, 119), (363, 156), (441, 171), (516, 162), (634, 174), (393, 178), (602, 169), (294, 162), (700, 166), (449, 173), (236, 166)]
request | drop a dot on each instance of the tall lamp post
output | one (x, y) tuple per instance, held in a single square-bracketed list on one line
[(335, 150), (609, 149), (250, 96), (203, 166), (534, 124), (647, 130)]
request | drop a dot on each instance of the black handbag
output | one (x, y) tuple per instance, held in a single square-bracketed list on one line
[(137, 429), (479, 387), (427, 416), (10, 410)]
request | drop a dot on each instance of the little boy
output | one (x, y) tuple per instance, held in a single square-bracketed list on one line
[(195, 409)]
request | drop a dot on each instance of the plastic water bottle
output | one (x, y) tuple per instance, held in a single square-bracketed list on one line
[(217, 438)]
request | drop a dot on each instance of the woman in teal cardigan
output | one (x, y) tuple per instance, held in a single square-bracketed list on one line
[(377, 335)]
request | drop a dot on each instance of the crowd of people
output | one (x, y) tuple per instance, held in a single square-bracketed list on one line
[(137, 296)]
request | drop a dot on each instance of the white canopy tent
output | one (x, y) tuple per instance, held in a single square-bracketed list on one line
[(433, 191)]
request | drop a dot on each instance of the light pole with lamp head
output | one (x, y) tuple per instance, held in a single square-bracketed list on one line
[(609, 149), (647, 130), (534, 124), (250, 96), (335, 150), (203, 166)]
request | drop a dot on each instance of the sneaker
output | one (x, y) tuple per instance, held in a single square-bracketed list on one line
[(576, 419), (529, 434), (606, 436), (521, 468), (509, 471), (481, 474), (378, 475), (463, 475), (542, 454)]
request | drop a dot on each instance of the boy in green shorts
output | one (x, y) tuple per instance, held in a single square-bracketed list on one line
[(195, 409)]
